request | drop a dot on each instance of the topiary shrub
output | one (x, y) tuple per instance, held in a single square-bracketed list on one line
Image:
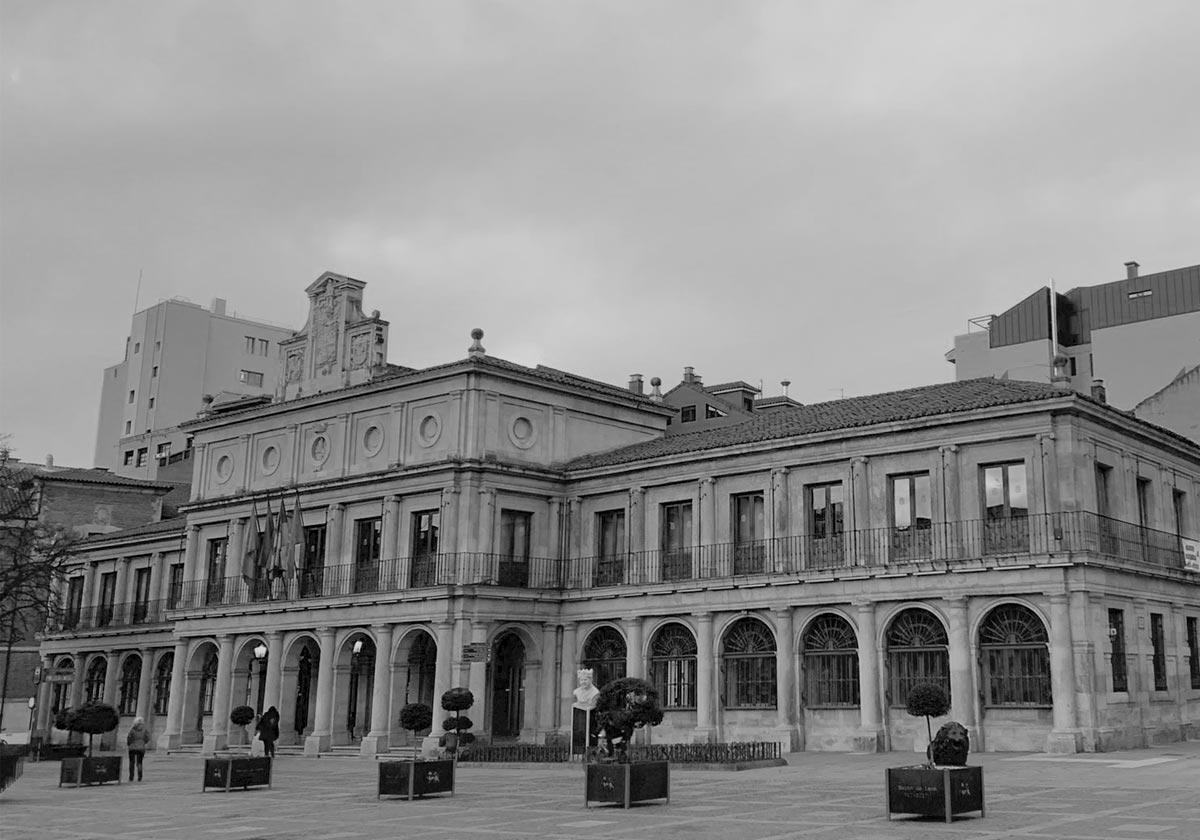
[(457, 700), (928, 700), (91, 719), (415, 717), (241, 716), (623, 706)]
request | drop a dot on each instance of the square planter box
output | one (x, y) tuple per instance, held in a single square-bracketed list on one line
[(11, 765), (934, 791), (90, 771), (637, 781), (416, 778), (226, 773)]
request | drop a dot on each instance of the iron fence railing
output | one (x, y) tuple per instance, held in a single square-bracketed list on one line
[(731, 753), (522, 753), (100, 617), (938, 543)]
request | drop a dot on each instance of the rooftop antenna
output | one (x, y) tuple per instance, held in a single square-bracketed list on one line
[(137, 296)]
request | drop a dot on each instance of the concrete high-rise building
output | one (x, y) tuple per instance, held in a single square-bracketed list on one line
[(176, 353), (1122, 341)]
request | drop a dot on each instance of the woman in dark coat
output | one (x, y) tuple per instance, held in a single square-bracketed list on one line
[(268, 731)]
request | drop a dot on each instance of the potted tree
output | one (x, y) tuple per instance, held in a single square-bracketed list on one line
[(420, 776), (457, 739), (943, 786), (624, 706), (91, 719), (230, 771)]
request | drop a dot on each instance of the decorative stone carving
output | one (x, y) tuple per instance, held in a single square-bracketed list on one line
[(295, 365), (359, 349), (325, 330)]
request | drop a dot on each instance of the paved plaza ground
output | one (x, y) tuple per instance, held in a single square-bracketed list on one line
[(1152, 793)]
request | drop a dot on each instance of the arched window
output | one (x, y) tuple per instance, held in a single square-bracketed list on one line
[(60, 696), (93, 683), (748, 666), (131, 675), (917, 652), (208, 682), (304, 674), (1014, 649), (604, 653), (830, 663), (162, 683), (673, 666)]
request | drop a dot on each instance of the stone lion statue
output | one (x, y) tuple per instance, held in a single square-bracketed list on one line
[(950, 745)]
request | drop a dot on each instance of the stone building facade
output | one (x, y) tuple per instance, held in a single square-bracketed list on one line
[(789, 578)]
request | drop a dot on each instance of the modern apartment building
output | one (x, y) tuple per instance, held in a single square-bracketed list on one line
[(1133, 335), (176, 353), (788, 578)]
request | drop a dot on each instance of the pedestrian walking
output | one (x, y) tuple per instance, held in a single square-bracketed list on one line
[(267, 729), (137, 741)]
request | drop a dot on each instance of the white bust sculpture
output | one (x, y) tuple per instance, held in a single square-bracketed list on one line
[(586, 693)]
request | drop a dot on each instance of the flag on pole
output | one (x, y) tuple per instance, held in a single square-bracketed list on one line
[(280, 536), (266, 545), (250, 545)]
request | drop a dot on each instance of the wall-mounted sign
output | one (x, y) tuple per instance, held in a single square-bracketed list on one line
[(475, 652)]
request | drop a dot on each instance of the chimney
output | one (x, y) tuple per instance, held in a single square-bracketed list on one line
[(635, 383), (1131, 270), (218, 306), (1098, 390), (689, 375), (49, 460)]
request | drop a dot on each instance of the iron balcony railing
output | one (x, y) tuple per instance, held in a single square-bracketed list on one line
[(805, 555), (105, 616)]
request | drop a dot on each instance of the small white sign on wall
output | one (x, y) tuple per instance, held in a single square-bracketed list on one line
[(1191, 554)]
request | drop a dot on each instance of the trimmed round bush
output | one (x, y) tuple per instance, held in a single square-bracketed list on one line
[(458, 699), (415, 717), (928, 700), (241, 715), (457, 722), (90, 718)]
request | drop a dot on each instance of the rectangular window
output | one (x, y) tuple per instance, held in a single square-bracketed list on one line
[(368, 535), (610, 548), (1193, 643), (128, 426), (263, 346), (137, 347), (108, 597), (676, 541), (132, 394), (250, 344), (1109, 540), (749, 547), (162, 453), (1074, 367), (911, 515), (1116, 635), (74, 602), (142, 455), (313, 571), (251, 377), (514, 547), (687, 414), (154, 372), (1005, 508), (175, 586), (711, 411), (825, 525), (141, 596), (426, 525), (1145, 511), (150, 403), (215, 590), (1159, 643), (128, 459), (157, 346)]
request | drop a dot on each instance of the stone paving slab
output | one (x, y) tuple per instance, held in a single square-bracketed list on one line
[(1153, 793)]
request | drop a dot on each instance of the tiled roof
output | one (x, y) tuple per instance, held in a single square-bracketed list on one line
[(92, 476), (853, 412), (167, 526), (739, 385)]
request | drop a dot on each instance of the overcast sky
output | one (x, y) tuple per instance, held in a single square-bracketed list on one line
[(822, 192)]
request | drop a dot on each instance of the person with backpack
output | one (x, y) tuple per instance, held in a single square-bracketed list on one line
[(137, 741), (267, 729)]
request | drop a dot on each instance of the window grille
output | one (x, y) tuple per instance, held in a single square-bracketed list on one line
[(673, 666), (748, 665), (830, 653), (1016, 658)]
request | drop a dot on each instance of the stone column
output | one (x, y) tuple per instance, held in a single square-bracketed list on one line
[(567, 674), (782, 557), (487, 520), (950, 533), (870, 733), (635, 660), (785, 679), (548, 687), (962, 675), (76, 693), (706, 562), (45, 688), (860, 551), (706, 729), (122, 614), (89, 585), (112, 677), (322, 732), (193, 588), (477, 671), (218, 736), (1065, 736), (637, 535), (443, 669), (234, 552), (145, 681), (376, 741), (159, 575), (172, 733), (272, 696), (335, 520)]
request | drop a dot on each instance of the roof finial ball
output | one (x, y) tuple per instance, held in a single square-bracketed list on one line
[(476, 349), (655, 393)]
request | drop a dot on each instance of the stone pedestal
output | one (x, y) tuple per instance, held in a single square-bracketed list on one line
[(373, 745), (1063, 742), (790, 739), (168, 740), (212, 743), (704, 735), (314, 745), (868, 741)]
